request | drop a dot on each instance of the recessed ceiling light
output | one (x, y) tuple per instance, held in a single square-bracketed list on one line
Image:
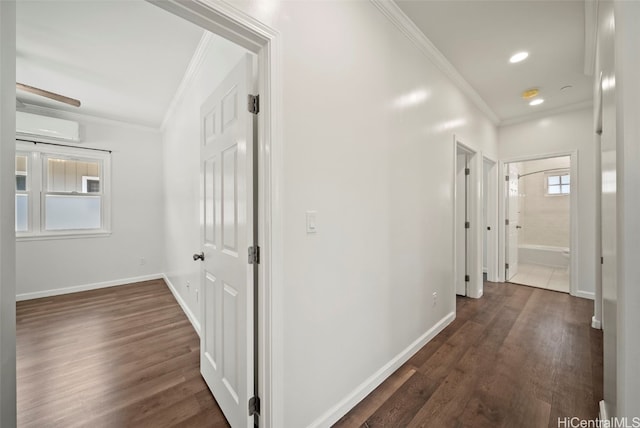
[(536, 102), (520, 56)]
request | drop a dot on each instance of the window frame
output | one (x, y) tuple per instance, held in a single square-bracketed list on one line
[(560, 184), (37, 156)]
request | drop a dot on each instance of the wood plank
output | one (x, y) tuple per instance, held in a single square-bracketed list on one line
[(460, 385), (377, 398), (399, 409)]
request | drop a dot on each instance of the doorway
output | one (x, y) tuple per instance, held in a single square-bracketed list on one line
[(538, 222), (234, 25), (262, 41)]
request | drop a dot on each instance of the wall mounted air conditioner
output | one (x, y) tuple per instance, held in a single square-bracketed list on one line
[(33, 125)]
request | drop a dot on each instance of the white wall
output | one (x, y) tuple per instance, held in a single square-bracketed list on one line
[(617, 61), (544, 218), (559, 133), (52, 266), (7, 210), (627, 64), (181, 154), (368, 144), (605, 65)]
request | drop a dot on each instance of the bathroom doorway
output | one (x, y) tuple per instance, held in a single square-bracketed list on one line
[(538, 220)]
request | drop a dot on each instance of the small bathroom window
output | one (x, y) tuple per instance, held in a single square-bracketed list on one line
[(558, 184)]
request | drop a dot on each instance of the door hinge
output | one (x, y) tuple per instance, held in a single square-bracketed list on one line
[(467, 225), (601, 260), (254, 406), (254, 255), (253, 103), (506, 222), (466, 278), (506, 265), (506, 177), (467, 171)]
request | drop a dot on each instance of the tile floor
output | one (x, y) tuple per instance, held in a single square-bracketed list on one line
[(556, 279)]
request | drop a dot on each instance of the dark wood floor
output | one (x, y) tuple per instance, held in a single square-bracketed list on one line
[(128, 357), (518, 357), (117, 357)]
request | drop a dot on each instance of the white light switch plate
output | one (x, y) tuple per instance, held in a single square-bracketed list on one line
[(312, 225)]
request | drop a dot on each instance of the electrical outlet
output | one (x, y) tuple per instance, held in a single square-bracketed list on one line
[(188, 285), (142, 261), (435, 298)]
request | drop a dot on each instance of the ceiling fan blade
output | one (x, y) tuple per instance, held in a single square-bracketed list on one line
[(47, 94)]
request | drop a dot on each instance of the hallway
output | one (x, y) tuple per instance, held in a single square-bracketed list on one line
[(519, 356)]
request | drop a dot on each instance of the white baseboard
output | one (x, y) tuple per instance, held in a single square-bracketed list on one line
[(596, 323), (334, 414), (586, 295), (476, 294), (86, 287), (183, 304)]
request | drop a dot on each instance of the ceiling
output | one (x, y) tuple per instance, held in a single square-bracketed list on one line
[(114, 55), (124, 60), (478, 38)]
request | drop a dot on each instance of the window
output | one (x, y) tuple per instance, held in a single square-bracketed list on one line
[(61, 191), (558, 184)]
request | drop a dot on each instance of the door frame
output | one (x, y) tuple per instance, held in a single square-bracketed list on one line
[(224, 20), (574, 239), (474, 255), (7, 215), (492, 216)]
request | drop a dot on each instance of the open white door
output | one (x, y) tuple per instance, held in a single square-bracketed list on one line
[(461, 219), (513, 222), (227, 301)]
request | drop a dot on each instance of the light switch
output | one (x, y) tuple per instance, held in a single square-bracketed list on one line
[(312, 226)]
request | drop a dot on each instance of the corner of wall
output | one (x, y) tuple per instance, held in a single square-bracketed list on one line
[(183, 304)]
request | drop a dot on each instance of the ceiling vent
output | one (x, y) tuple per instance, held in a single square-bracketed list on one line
[(36, 126)]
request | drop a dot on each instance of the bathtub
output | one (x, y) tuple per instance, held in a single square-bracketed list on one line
[(557, 257)]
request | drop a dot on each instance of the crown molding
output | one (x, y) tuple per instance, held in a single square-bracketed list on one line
[(546, 113), (189, 75), (64, 114), (393, 12)]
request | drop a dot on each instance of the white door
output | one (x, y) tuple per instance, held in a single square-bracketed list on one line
[(226, 339), (513, 216), (460, 223)]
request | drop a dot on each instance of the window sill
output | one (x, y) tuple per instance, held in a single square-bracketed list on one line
[(65, 235)]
